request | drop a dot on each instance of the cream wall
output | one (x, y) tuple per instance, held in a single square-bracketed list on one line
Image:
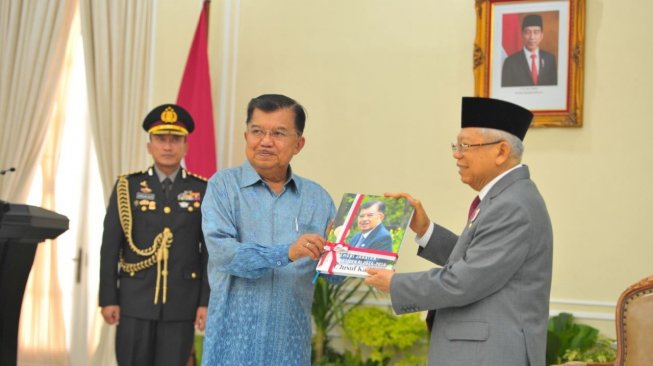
[(382, 80)]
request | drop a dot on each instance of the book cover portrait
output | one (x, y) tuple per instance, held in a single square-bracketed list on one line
[(367, 232)]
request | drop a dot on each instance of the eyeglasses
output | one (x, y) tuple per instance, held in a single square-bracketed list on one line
[(461, 148), (277, 134)]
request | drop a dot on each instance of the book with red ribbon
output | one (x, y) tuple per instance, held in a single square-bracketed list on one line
[(367, 233)]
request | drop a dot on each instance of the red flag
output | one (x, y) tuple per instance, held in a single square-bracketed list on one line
[(511, 41), (195, 96)]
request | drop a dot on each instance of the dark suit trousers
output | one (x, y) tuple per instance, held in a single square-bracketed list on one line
[(142, 342)]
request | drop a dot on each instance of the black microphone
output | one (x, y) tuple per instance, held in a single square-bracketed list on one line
[(8, 170)]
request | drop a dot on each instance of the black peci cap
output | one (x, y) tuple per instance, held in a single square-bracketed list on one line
[(496, 114), (168, 119), (532, 20)]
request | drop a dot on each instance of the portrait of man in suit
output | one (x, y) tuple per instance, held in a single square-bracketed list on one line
[(373, 234), (530, 66)]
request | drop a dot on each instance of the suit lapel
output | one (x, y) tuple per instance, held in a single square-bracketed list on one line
[(525, 68), (467, 235), (370, 238), (542, 64)]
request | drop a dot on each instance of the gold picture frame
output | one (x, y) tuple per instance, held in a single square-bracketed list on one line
[(557, 102)]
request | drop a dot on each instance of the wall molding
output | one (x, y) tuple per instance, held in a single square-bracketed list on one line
[(598, 310), (591, 303)]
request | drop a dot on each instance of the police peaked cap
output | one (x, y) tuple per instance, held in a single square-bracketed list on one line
[(496, 114), (168, 119)]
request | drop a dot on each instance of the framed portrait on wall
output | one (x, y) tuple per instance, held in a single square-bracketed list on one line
[(531, 53)]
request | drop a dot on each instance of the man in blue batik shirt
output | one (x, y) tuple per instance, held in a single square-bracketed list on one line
[(264, 228)]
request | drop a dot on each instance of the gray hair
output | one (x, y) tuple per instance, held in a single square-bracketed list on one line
[(516, 145)]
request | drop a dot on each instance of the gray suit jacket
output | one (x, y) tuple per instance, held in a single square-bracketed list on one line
[(491, 295)]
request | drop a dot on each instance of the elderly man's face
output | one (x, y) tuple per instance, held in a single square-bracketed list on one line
[(532, 36), (477, 166), (369, 217), (272, 141)]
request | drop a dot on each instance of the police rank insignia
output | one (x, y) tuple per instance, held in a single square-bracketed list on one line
[(189, 200), (145, 198), (145, 188)]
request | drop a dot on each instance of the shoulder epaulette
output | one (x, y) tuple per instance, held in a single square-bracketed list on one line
[(197, 176), (138, 172)]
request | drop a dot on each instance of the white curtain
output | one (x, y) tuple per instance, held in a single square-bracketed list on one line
[(33, 38), (41, 339), (118, 38)]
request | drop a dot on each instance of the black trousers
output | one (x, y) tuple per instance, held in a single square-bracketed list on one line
[(142, 342)]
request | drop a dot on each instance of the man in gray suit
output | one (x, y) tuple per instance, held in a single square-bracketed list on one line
[(490, 298)]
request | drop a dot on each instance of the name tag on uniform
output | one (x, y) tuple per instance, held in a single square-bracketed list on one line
[(145, 196)]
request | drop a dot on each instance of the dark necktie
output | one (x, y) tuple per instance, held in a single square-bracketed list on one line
[(167, 186), (430, 315), (472, 208)]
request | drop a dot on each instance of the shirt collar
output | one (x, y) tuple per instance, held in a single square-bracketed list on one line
[(529, 53), (365, 235), (484, 191), (162, 176), (251, 177)]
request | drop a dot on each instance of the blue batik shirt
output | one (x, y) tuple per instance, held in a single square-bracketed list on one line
[(260, 305)]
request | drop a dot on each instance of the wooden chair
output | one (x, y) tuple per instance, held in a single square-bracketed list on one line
[(634, 318)]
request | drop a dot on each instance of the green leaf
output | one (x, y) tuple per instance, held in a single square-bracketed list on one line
[(383, 334), (569, 341)]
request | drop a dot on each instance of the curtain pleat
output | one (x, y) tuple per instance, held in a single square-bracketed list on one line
[(33, 38), (117, 43)]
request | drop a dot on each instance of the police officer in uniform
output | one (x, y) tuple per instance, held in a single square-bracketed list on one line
[(153, 281)]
